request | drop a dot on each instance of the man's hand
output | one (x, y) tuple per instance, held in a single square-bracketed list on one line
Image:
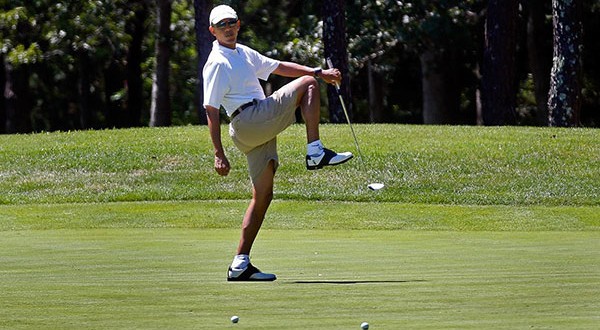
[(331, 76), (290, 69), (222, 165)]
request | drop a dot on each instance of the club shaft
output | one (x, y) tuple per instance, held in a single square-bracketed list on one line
[(351, 128), (337, 88)]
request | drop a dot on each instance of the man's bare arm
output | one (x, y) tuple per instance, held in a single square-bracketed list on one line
[(214, 126), (294, 70)]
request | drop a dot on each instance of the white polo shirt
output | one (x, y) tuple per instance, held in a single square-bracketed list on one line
[(231, 76)]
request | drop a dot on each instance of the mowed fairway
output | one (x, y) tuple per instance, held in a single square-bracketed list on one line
[(104, 230), (174, 278)]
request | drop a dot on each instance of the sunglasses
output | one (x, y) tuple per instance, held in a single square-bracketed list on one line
[(225, 23)]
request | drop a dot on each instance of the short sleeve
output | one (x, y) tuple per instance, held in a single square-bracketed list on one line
[(215, 83), (263, 65)]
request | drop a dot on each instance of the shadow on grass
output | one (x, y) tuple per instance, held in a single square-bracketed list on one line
[(354, 282)]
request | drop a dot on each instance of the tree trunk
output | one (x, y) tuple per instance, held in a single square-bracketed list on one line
[(135, 86), (478, 106), (160, 110), (497, 93), (564, 99), (83, 88), (204, 41), (113, 83), (335, 44), (17, 101), (376, 83), (539, 50), (435, 107)]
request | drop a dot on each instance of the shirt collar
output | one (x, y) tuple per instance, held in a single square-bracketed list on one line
[(223, 49)]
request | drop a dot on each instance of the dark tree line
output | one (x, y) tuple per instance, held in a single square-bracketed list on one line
[(498, 66), (78, 65)]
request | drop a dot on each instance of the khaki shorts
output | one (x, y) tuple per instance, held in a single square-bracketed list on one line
[(254, 131)]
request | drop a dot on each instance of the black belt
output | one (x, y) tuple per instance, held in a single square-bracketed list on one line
[(240, 109)]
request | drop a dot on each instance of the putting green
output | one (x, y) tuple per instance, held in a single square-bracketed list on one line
[(328, 279)]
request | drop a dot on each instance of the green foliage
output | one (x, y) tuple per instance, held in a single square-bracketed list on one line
[(184, 64), (50, 39), (12, 24), (19, 55), (372, 29), (305, 47), (377, 27), (527, 103)]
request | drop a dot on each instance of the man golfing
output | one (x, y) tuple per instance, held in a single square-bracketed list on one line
[(231, 76)]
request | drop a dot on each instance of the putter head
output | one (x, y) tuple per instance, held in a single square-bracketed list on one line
[(376, 186)]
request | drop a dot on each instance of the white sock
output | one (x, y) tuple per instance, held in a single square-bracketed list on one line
[(314, 148), (240, 261)]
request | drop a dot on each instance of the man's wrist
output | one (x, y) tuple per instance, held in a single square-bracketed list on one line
[(317, 72)]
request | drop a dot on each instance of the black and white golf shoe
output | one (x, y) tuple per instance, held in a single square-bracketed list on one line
[(249, 274), (327, 158)]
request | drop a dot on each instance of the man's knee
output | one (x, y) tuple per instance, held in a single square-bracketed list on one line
[(263, 186), (306, 82), (263, 197), (312, 83), (309, 87)]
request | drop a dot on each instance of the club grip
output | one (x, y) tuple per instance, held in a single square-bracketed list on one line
[(330, 65)]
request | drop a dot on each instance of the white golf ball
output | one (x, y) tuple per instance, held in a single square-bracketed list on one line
[(235, 319), (364, 325)]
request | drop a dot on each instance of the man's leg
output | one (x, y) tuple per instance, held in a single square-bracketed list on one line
[(262, 194), (309, 101)]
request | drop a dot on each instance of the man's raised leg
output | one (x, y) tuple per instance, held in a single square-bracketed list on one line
[(309, 101)]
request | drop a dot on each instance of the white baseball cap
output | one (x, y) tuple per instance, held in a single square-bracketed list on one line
[(220, 13)]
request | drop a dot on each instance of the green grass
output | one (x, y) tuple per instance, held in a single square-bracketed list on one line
[(477, 228), (293, 215), (328, 279), (418, 164)]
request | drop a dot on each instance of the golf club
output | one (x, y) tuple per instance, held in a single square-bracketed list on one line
[(372, 186)]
